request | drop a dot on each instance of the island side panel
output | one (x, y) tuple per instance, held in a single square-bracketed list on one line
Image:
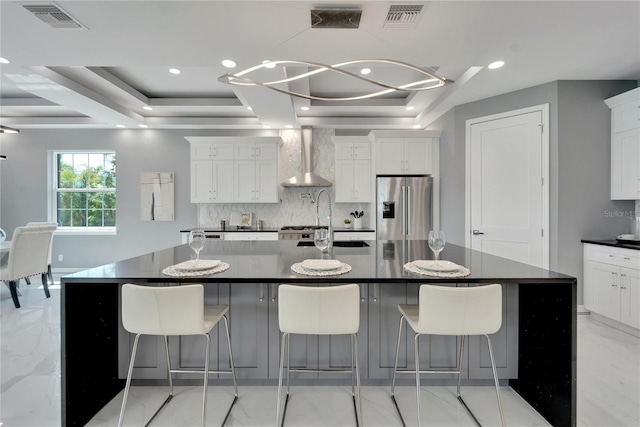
[(89, 337), (548, 350)]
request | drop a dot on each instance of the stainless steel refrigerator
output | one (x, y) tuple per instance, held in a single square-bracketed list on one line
[(404, 207)]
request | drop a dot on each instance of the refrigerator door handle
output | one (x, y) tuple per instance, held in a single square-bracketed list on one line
[(408, 208), (404, 214)]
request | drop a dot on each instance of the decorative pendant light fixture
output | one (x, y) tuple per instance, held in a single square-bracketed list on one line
[(7, 129), (428, 79)]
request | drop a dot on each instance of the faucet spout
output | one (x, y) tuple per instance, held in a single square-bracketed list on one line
[(324, 190)]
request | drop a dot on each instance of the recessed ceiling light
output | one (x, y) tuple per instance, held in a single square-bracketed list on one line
[(304, 108), (269, 63), (249, 108), (409, 107), (142, 126), (417, 126), (496, 64), (120, 126), (146, 107), (266, 126), (365, 71), (289, 126), (229, 63), (3, 60), (174, 71)]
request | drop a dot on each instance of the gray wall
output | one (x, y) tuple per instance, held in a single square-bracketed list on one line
[(24, 189), (580, 168)]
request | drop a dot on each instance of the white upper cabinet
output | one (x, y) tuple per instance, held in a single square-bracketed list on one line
[(353, 177), (625, 145), (405, 153), (234, 169)]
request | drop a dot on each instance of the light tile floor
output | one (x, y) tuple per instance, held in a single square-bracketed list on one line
[(608, 385)]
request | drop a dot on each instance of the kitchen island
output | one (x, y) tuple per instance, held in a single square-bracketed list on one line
[(544, 303)]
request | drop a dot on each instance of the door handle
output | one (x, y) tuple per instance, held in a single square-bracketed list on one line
[(476, 232)]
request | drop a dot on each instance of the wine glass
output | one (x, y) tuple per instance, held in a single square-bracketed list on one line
[(436, 242), (196, 242), (321, 239)]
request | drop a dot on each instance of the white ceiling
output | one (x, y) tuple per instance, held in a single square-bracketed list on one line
[(104, 75)]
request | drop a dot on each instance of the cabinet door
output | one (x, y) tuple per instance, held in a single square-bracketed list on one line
[(389, 156), (201, 181), (361, 181), (504, 342), (222, 151), (605, 296), (266, 185), (266, 151), (630, 297), (384, 319), (418, 156), (344, 180), (335, 351), (625, 165), (361, 151), (244, 150), (222, 181), (249, 329), (304, 348), (245, 180), (344, 151), (201, 151), (625, 117)]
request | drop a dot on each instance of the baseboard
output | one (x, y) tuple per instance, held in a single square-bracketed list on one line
[(615, 324), (582, 309)]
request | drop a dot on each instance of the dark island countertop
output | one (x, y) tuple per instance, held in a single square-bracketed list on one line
[(613, 243), (234, 229), (270, 262)]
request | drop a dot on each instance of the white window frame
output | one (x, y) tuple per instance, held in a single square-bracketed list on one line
[(52, 211)]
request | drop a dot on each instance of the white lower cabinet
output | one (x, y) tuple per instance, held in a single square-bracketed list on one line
[(612, 283), (248, 235), (354, 235)]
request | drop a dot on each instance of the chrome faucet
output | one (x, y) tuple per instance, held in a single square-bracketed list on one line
[(317, 200)]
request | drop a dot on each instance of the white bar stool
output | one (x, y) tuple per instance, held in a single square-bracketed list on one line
[(330, 310), (452, 311), (175, 310)]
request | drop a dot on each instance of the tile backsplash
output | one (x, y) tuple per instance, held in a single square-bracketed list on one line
[(292, 209)]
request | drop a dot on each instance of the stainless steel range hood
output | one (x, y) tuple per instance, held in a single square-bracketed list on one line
[(306, 178)]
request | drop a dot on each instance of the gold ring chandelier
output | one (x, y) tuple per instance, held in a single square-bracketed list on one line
[(428, 78)]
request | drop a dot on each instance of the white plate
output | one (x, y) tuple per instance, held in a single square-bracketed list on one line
[(436, 265), (321, 264), (193, 265)]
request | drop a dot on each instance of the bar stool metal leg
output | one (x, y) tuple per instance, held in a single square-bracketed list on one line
[(417, 355), (168, 399), (279, 411), (495, 380), (358, 406), (129, 374), (395, 369), (233, 370)]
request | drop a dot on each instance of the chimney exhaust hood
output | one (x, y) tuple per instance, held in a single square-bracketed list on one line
[(306, 178)]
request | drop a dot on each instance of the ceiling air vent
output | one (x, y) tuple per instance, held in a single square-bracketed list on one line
[(403, 16), (335, 18), (54, 16)]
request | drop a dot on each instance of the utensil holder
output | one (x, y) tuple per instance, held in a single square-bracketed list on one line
[(357, 223)]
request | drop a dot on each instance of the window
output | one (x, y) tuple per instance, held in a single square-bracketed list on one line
[(84, 191)]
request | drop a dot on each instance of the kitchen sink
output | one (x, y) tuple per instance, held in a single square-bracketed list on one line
[(339, 243)]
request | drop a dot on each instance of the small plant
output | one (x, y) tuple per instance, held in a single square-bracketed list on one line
[(347, 221)]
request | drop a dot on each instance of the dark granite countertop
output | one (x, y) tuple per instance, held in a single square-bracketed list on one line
[(233, 229), (613, 243), (270, 262)]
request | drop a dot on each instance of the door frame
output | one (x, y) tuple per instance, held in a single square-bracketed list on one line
[(544, 109)]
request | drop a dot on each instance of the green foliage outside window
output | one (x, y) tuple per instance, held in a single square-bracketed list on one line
[(86, 184)]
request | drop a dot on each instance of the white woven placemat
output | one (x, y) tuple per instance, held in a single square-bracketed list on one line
[(412, 268), (172, 271), (298, 268)]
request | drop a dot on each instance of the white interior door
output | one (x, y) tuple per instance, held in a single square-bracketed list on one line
[(507, 202)]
